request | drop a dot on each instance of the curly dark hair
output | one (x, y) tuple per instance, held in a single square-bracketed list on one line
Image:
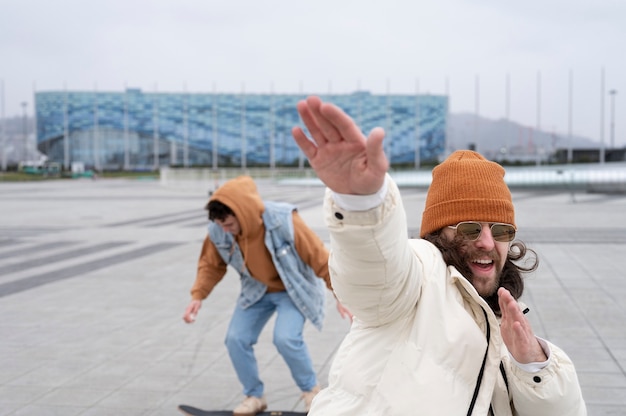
[(511, 276), (218, 211)]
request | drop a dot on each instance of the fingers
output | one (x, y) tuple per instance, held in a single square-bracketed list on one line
[(512, 317), (326, 122), (320, 129), (306, 114), (344, 312), (517, 332), (343, 158), (308, 147), (509, 307), (374, 150), (326, 126), (501, 302), (189, 318), (339, 124), (192, 311)]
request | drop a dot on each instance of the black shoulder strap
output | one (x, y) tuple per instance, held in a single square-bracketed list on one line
[(506, 380), (482, 368)]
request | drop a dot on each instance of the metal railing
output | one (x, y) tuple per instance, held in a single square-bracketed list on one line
[(602, 178)]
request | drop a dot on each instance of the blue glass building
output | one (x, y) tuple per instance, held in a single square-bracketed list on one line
[(137, 130)]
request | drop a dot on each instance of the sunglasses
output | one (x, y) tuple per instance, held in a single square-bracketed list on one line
[(470, 230)]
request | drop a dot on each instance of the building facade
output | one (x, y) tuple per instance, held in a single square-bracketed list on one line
[(133, 130)]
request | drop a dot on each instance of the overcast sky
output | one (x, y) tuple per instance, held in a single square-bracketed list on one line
[(466, 48)]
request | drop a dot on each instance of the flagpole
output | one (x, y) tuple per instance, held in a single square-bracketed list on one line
[(570, 151), (272, 129), (3, 161), (300, 153), (186, 128), (602, 94), (508, 113), (155, 130), (243, 127), (96, 144), (418, 159), (476, 111), (215, 139), (388, 137), (126, 139), (66, 132)]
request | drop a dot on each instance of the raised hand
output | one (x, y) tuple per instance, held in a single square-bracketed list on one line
[(516, 331), (342, 157)]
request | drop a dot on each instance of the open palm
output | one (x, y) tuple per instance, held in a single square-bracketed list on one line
[(342, 157)]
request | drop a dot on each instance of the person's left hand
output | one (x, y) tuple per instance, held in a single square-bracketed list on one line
[(516, 331), (343, 311)]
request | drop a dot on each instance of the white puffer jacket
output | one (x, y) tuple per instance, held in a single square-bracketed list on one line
[(419, 336)]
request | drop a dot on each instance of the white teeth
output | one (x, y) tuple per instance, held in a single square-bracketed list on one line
[(482, 261)]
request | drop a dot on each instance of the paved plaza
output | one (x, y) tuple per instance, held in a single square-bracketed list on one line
[(95, 277)]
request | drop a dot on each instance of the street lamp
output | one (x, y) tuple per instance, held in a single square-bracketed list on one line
[(613, 93), (25, 130)]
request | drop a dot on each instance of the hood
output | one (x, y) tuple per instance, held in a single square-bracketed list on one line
[(241, 196)]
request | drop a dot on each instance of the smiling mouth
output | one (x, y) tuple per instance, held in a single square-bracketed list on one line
[(482, 263)]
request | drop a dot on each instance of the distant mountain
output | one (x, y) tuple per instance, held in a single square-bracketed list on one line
[(498, 139), (14, 126), (19, 139)]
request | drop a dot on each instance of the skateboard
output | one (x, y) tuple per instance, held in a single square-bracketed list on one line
[(194, 411)]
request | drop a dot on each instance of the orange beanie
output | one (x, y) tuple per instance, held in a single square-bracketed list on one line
[(466, 187)]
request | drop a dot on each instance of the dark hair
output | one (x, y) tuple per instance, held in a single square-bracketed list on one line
[(218, 211), (511, 277)]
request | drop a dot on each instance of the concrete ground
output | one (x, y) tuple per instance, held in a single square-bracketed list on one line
[(95, 276)]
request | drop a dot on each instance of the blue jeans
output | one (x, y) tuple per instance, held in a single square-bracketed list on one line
[(243, 333)]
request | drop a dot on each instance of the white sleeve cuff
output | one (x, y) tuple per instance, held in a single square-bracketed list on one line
[(360, 202), (535, 367)]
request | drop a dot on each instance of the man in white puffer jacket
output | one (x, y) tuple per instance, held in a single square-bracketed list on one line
[(437, 327)]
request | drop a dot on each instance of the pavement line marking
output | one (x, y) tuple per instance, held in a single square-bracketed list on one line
[(153, 218), (53, 258), (32, 282), (36, 248)]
